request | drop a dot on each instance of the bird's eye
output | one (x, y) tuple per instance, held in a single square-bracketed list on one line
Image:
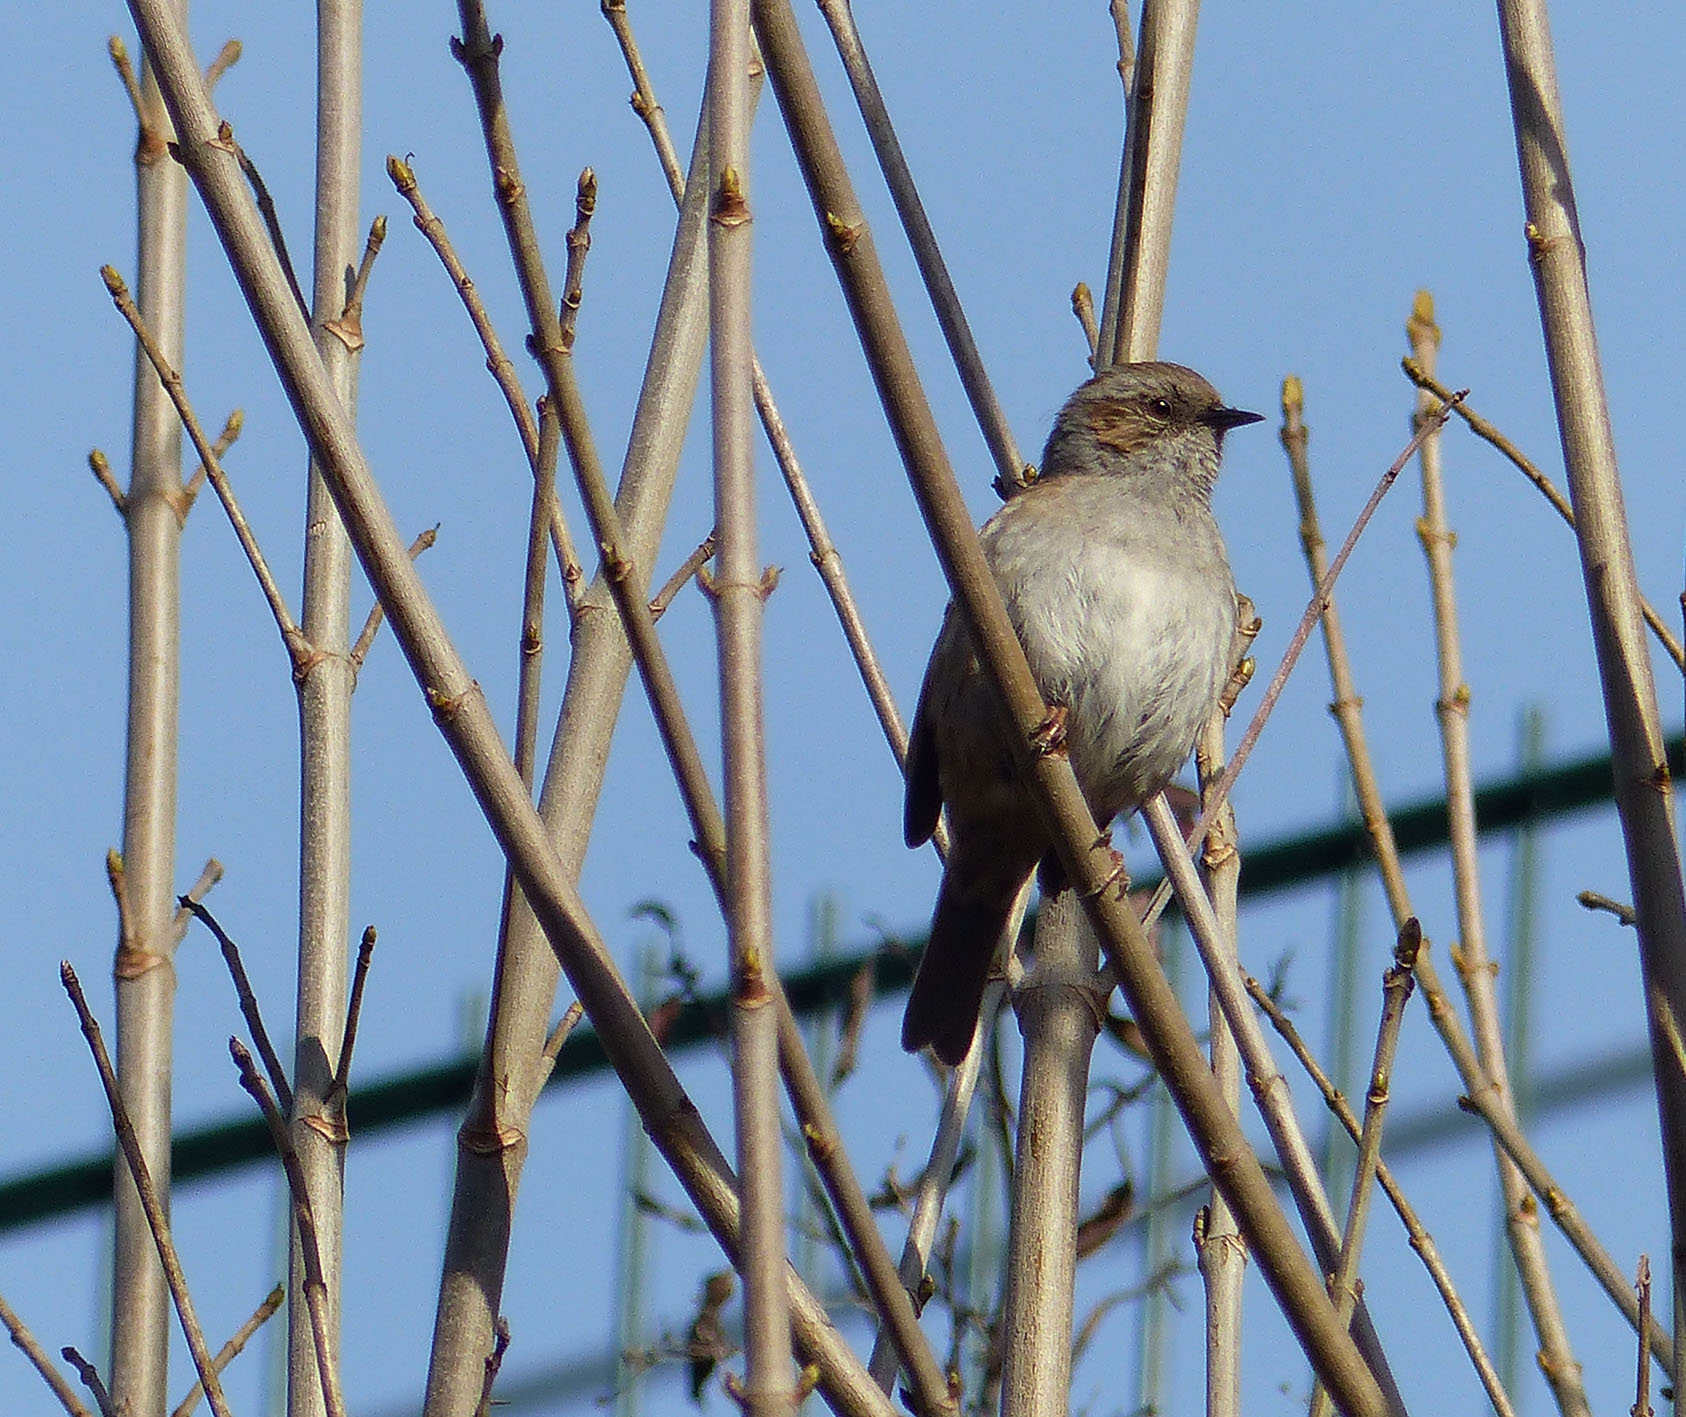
[(1161, 408)]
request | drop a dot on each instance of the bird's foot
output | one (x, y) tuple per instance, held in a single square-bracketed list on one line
[(1240, 677), (1048, 738)]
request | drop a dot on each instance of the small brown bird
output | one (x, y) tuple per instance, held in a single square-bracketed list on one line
[(1115, 578)]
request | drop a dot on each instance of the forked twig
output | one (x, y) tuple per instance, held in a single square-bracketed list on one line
[(824, 554), (1489, 433), (497, 361), (1314, 611), (235, 1345), (249, 1009), (156, 1220), (91, 1379), (1367, 789), (37, 1355), (298, 648), (304, 1217), (1396, 990), (1421, 1241)]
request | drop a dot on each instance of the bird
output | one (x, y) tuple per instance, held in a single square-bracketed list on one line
[(1117, 582)]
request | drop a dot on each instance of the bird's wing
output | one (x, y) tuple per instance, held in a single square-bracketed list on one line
[(922, 803)]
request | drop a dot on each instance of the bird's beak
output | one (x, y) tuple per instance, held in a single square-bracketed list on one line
[(1224, 419)]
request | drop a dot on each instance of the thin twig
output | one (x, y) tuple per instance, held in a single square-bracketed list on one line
[(377, 612), (354, 1011), (497, 363), (1220, 1251), (1480, 1096), (100, 466), (227, 57), (1592, 900), (1083, 306), (156, 1219), (529, 677), (304, 1217), (232, 1349), (1314, 611), (494, 1365), (932, 1191), (1421, 1241), (1367, 789), (823, 552), (231, 429), (183, 918), (1489, 433), (1270, 1089), (579, 245), (37, 1355), (90, 1376), (1397, 984), (125, 67), (644, 98), (1474, 967), (565, 1025), (348, 324), (116, 876), (266, 208), (1642, 1383), (292, 636), (933, 270), (248, 1001), (676, 582)]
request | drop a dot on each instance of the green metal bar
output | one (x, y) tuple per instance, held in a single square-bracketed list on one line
[(412, 1097)]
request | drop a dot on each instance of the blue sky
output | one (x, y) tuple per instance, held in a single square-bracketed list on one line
[(1337, 158)]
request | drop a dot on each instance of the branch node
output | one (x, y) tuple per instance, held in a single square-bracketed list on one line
[(843, 235), (730, 207), (445, 707)]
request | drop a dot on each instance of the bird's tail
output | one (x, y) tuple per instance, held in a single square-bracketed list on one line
[(942, 1010)]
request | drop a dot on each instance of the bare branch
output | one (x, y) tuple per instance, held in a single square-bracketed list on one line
[(227, 57), (1421, 1241), (1560, 504), (644, 99), (315, 1288), (689, 567), (377, 612), (497, 361), (353, 1011), (100, 466), (130, 1145), (248, 1001), (235, 1345), (579, 245), (291, 635), (231, 430), (91, 1380), (26, 1343)]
